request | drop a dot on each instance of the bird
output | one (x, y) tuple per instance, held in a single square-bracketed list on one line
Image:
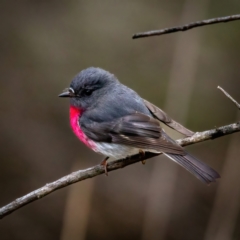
[(113, 120)]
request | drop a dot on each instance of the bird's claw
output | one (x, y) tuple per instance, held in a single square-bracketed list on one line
[(104, 163)]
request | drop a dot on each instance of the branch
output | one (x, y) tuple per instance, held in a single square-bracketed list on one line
[(99, 169), (187, 26), (230, 97)]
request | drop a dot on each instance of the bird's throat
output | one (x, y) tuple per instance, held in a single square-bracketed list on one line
[(75, 115)]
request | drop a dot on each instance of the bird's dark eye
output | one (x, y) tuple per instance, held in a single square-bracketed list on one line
[(88, 92)]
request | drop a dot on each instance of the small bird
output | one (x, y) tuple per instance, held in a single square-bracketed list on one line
[(115, 121)]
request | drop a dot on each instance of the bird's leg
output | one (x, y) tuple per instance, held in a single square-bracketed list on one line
[(142, 153), (104, 163)]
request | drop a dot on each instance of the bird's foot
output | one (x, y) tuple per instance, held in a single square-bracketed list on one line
[(142, 155), (104, 163)]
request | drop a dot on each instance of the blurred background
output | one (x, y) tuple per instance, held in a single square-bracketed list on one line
[(44, 44)]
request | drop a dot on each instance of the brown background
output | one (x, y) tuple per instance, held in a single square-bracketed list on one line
[(43, 44)]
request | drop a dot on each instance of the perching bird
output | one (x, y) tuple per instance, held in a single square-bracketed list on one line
[(115, 121)]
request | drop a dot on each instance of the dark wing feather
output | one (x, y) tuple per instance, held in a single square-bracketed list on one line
[(137, 130), (163, 117), (141, 131)]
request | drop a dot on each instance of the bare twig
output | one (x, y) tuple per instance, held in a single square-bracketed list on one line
[(230, 97), (99, 169), (187, 26)]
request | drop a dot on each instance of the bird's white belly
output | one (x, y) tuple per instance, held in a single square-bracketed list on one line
[(117, 151)]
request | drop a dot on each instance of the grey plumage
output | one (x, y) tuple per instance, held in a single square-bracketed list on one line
[(116, 117)]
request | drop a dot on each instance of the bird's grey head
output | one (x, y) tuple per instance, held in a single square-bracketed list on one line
[(88, 86)]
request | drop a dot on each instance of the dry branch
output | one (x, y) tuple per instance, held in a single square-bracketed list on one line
[(187, 26), (230, 97), (99, 169)]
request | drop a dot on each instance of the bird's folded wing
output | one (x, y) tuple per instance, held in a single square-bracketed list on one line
[(163, 117), (136, 130)]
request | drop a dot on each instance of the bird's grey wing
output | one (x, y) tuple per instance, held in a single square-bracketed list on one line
[(163, 117), (144, 132), (136, 130)]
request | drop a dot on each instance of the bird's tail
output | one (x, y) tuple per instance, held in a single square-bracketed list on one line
[(199, 169)]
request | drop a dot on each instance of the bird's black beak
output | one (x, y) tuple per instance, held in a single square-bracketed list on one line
[(69, 92), (64, 94)]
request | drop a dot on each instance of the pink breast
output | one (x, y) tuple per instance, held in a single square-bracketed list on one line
[(75, 114)]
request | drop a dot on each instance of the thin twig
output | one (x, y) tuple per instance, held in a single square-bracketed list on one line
[(230, 97), (187, 26), (99, 169)]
